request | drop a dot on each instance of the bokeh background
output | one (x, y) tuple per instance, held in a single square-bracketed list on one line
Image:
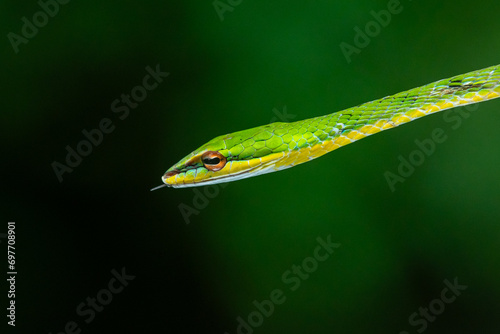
[(397, 247)]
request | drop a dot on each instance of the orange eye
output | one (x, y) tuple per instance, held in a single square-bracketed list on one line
[(213, 161)]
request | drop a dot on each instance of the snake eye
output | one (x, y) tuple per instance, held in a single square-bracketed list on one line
[(213, 161)]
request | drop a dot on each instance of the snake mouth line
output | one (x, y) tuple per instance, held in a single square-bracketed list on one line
[(220, 179)]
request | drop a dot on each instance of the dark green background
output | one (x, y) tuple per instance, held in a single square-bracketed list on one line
[(396, 247)]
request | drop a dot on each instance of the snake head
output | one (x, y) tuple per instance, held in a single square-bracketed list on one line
[(230, 157)]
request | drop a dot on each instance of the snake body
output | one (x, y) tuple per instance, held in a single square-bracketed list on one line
[(278, 146)]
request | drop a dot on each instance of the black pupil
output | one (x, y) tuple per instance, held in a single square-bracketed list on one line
[(211, 161)]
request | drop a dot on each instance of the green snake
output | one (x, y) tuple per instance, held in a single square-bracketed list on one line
[(277, 146)]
